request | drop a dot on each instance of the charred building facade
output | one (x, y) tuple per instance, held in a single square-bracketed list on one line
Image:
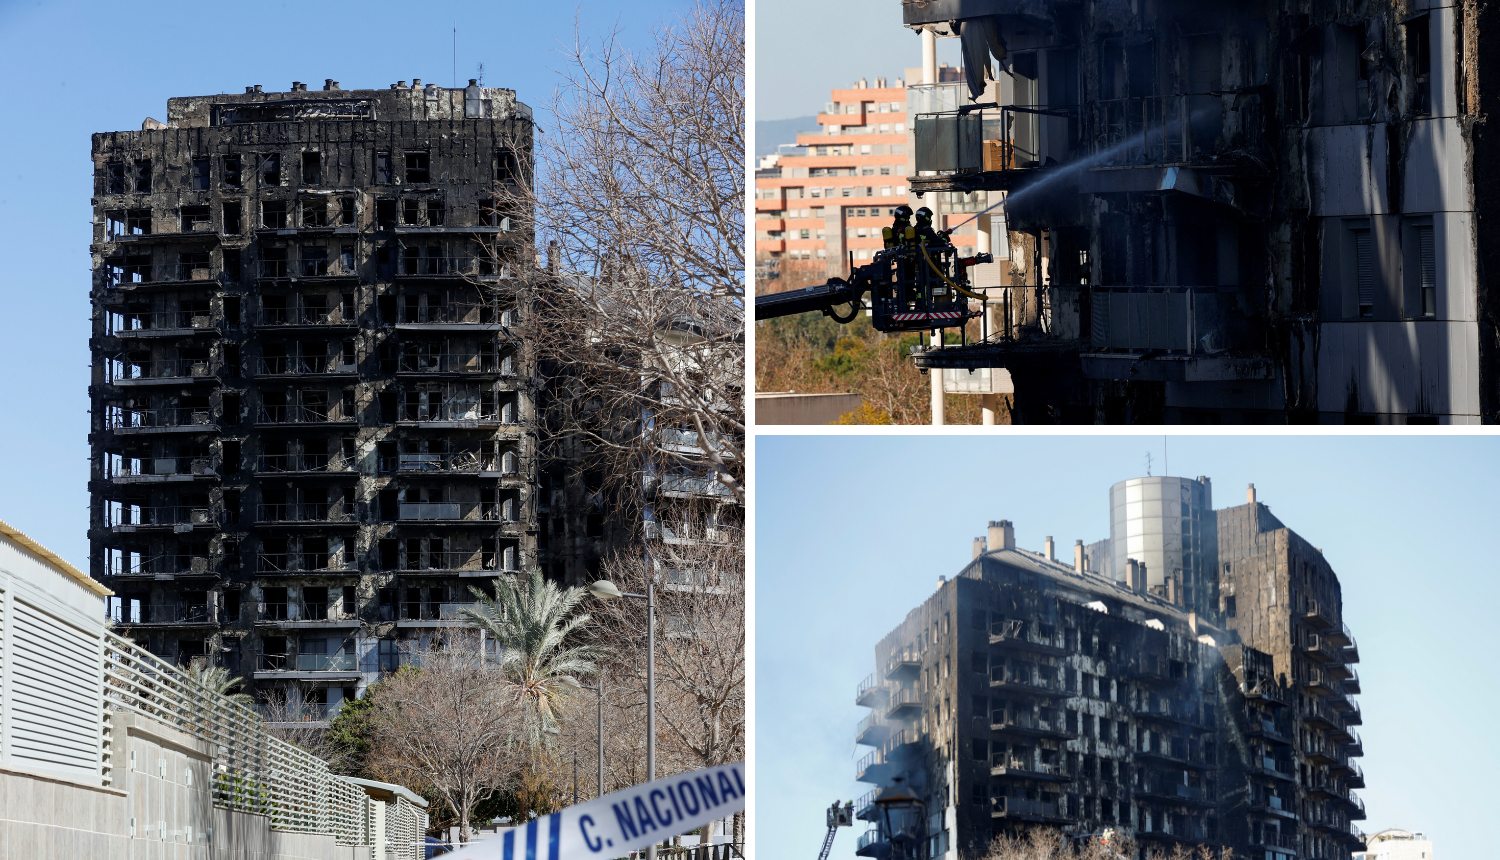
[(1261, 211), (311, 403), (1028, 692)]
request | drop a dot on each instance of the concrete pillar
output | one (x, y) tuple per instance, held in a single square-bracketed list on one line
[(987, 408), (1250, 495), (1078, 556), (939, 414), (929, 57), (1050, 556)]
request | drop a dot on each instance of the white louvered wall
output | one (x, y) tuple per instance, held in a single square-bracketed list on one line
[(56, 692)]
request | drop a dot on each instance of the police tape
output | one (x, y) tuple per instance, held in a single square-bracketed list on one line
[(620, 822)]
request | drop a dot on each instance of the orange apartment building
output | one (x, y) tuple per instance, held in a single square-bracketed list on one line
[(827, 199)]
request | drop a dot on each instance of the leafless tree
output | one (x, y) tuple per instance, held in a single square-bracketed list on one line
[(296, 723), (1043, 843), (639, 194), (448, 727)]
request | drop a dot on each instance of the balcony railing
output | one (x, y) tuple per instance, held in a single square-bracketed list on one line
[(457, 363), (286, 365), (1007, 806), (456, 560), (303, 463), (411, 265), (1001, 675), (136, 323), (293, 414), (338, 662), (1272, 839), (1180, 791), (1030, 766), (682, 532), (461, 461), (162, 565), (140, 419), (174, 613), (1155, 129), (1024, 720), (1183, 319), (168, 515), (460, 313), (176, 368), (305, 513), (291, 562), (303, 317), (159, 467)]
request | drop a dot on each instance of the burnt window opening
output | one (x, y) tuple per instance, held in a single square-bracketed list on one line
[(383, 168), (314, 261), (141, 176), (411, 212), (416, 167), (346, 267), (114, 178), (231, 174), (232, 222), (315, 212), (232, 268), (270, 169), (273, 214), (489, 213), (507, 167), (200, 174), (138, 222), (385, 214), (273, 262), (195, 266), (1419, 63), (1229, 606), (346, 211), (312, 168), (196, 219), (435, 213)]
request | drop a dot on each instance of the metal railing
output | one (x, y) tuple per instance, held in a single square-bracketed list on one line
[(167, 515), (1013, 763), (173, 613), (302, 317), (158, 467), (456, 363), (168, 368), (295, 414), (413, 265), (140, 419), (305, 513), (1155, 129), (470, 313), (295, 562), (1004, 675), (137, 322), (690, 531), (459, 461), (252, 771), (1004, 805), (159, 565), (303, 463), (291, 365), (1186, 319), (456, 560)]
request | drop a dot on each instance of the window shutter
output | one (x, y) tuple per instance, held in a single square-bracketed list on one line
[(1365, 268), (1427, 261), (56, 700)]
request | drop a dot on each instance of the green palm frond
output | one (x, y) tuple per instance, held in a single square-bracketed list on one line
[(216, 679), (530, 622)]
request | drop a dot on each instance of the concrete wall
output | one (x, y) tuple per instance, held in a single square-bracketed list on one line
[(803, 408), (160, 808)]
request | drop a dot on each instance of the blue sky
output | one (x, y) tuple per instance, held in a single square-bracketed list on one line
[(85, 67), (804, 48), (851, 533)]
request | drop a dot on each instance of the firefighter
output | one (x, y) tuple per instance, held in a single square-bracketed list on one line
[(896, 233), (932, 237)]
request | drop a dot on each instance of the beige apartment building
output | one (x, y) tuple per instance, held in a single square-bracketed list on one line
[(822, 202)]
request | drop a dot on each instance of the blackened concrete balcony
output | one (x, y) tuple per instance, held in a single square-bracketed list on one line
[(1317, 616), (311, 319), (873, 730), (1174, 756), (1010, 767), (870, 694), (1021, 809), (454, 463), (1274, 768), (455, 316), (1340, 636), (906, 663), (1031, 683), (304, 465), (161, 324), (903, 703), (484, 563), (173, 614), (1266, 803), (164, 568), (414, 615), (1269, 731), (302, 562), (872, 844), (175, 518), (178, 371), (1027, 724), (455, 364), (172, 419), (1174, 794), (1016, 634), (311, 512), (158, 470), (320, 413), (286, 365), (1281, 843), (302, 615)]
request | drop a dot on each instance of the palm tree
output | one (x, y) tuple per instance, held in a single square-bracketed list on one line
[(530, 624), (217, 680)]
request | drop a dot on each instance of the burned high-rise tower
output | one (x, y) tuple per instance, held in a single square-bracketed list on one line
[(1209, 704), (310, 401)]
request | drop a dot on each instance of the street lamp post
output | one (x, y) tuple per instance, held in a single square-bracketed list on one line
[(598, 786), (605, 589)]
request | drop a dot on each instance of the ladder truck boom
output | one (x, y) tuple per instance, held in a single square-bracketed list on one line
[(838, 816)]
